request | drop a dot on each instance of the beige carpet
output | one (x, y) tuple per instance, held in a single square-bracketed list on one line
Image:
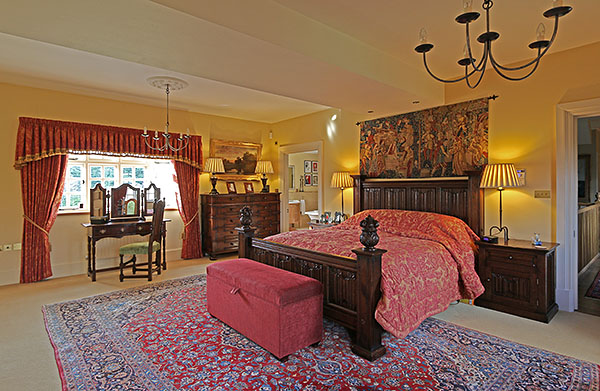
[(27, 358)]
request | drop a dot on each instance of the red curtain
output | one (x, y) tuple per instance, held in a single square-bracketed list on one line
[(41, 190), (188, 179), (39, 138)]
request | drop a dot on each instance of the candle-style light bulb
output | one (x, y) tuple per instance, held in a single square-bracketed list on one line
[(156, 134), (540, 32), (467, 5), (166, 129), (423, 35), (145, 131), (188, 132)]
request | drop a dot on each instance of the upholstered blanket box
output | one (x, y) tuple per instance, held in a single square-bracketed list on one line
[(279, 310)]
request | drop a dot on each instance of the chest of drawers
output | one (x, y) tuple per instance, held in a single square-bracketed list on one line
[(221, 215)]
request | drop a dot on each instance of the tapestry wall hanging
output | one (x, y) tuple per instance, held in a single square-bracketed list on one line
[(438, 142)]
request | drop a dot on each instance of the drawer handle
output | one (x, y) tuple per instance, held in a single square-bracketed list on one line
[(140, 228), (489, 279), (103, 231), (510, 257), (231, 244)]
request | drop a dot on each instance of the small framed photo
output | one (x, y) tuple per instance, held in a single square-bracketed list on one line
[(315, 166), (307, 179), (231, 188), (307, 166), (315, 180), (249, 187)]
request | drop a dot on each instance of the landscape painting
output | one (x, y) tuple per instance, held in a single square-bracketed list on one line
[(239, 158)]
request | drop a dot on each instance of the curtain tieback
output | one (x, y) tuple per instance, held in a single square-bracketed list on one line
[(37, 226), (188, 223)]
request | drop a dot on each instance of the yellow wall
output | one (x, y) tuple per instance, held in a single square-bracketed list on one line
[(67, 237), (522, 127), (340, 148)]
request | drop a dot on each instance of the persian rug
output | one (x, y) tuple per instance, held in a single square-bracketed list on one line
[(594, 290), (160, 337)]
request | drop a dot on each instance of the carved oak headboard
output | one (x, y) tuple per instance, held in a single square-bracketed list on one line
[(455, 196)]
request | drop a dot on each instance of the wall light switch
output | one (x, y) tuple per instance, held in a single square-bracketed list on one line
[(541, 193), (16, 246)]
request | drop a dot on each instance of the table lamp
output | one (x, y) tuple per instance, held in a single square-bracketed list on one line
[(342, 180), (499, 176), (264, 167), (214, 165)]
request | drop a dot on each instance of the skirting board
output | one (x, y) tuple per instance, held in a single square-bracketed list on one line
[(11, 276)]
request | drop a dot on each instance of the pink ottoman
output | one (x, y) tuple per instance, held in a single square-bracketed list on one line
[(279, 310)]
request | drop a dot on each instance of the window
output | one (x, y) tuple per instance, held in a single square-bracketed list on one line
[(85, 171)]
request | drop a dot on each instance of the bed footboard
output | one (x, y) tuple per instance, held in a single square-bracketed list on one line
[(351, 288)]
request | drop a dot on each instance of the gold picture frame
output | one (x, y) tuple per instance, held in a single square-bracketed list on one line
[(239, 159)]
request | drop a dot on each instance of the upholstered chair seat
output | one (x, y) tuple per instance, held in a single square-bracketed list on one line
[(138, 248)]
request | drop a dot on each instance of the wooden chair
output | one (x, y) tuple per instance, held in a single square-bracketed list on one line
[(150, 247)]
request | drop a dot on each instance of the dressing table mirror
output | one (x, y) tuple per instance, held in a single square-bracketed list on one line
[(151, 195), (125, 203), (98, 205)]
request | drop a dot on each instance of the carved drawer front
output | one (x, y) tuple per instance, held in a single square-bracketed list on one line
[(510, 257), (227, 199), (227, 210)]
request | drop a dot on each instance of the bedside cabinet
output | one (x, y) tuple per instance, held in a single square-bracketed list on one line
[(518, 278)]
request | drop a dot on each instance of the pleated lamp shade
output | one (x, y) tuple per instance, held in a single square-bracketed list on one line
[(214, 165), (499, 175), (341, 180), (264, 167)]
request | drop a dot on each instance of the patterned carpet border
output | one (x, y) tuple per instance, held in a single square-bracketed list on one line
[(594, 290), (160, 337)]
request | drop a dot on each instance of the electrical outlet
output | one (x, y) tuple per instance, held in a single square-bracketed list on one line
[(6, 247), (16, 246), (541, 193)]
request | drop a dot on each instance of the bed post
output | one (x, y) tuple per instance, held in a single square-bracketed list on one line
[(246, 233), (367, 341), (475, 203), (358, 181)]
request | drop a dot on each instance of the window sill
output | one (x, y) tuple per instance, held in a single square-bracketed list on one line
[(85, 212)]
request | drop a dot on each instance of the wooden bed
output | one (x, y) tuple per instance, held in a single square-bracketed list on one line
[(352, 286)]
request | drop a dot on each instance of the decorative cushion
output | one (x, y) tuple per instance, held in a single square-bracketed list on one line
[(138, 248)]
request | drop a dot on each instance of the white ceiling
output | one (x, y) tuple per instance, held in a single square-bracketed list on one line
[(262, 60)]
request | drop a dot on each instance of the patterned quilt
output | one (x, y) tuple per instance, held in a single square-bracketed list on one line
[(429, 263)]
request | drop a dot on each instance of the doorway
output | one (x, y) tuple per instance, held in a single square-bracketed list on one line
[(566, 200), (301, 173), (588, 215)]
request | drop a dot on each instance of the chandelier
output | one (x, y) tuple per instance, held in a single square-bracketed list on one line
[(179, 143), (472, 67)]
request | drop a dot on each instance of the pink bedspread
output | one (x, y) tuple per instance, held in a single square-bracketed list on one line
[(430, 262)]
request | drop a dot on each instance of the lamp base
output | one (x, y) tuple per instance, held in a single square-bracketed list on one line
[(213, 181), (265, 189), (504, 229)]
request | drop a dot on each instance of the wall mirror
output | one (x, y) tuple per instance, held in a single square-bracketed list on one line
[(125, 202), (98, 205), (150, 196)]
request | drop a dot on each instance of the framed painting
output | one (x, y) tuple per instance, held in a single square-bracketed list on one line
[(307, 166), (315, 180), (249, 187), (239, 158), (231, 188), (307, 180), (315, 166)]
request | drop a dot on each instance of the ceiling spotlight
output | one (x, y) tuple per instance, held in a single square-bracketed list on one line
[(416, 102), (334, 117), (370, 111)]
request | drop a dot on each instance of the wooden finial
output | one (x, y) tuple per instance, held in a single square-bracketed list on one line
[(369, 237), (246, 217)]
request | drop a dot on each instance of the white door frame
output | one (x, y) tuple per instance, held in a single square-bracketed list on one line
[(284, 152), (566, 197)]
